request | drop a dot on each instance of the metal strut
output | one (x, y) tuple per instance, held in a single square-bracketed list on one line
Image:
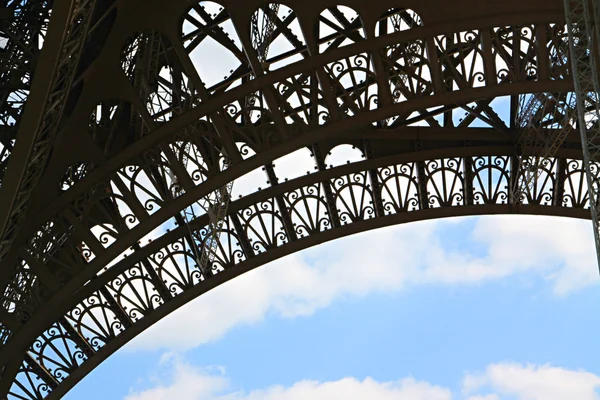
[(584, 35), (44, 123), (262, 32), (396, 20), (37, 131), (400, 79), (537, 114), (217, 202), (21, 39)]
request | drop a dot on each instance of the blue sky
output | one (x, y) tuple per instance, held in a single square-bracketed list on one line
[(453, 312)]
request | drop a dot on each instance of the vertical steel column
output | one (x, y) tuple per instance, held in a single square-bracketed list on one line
[(583, 38)]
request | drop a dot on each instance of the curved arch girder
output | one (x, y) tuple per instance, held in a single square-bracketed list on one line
[(88, 236), (162, 275)]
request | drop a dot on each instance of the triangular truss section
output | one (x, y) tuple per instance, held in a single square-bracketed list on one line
[(155, 71)]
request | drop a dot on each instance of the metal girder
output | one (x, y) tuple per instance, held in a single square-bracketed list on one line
[(314, 225), (583, 19), (23, 26), (113, 238), (50, 90)]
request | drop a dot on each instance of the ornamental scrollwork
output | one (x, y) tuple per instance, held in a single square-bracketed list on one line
[(135, 292), (56, 352), (576, 193), (132, 290), (445, 179), (491, 177), (95, 321), (259, 100), (515, 53), (461, 59), (540, 188), (28, 384), (177, 265), (110, 203), (263, 225), (193, 159), (151, 183), (353, 197), (354, 83), (251, 118), (308, 210), (399, 188), (229, 251)]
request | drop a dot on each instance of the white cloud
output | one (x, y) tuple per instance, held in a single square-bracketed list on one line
[(492, 396), (500, 381), (188, 382), (350, 389), (191, 383), (533, 383), (559, 250)]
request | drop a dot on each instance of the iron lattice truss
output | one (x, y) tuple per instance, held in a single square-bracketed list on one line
[(329, 120), (23, 26)]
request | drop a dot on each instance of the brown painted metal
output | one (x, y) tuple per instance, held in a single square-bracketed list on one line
[(393, 95)]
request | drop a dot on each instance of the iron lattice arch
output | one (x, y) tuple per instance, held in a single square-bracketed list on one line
[(395, 112)]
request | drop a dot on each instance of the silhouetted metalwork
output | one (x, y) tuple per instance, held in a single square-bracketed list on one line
[(22, 31), (584, 36), (331, 120), (540, 114)]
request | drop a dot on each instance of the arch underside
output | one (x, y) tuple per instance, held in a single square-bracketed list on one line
[(391, 127), (162, 274)]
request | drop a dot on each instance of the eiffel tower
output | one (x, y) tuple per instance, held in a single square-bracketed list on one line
[(152, 150)]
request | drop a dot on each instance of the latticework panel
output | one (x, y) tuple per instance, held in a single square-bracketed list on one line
[(138, 287), (337, 120), (23, 27)]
